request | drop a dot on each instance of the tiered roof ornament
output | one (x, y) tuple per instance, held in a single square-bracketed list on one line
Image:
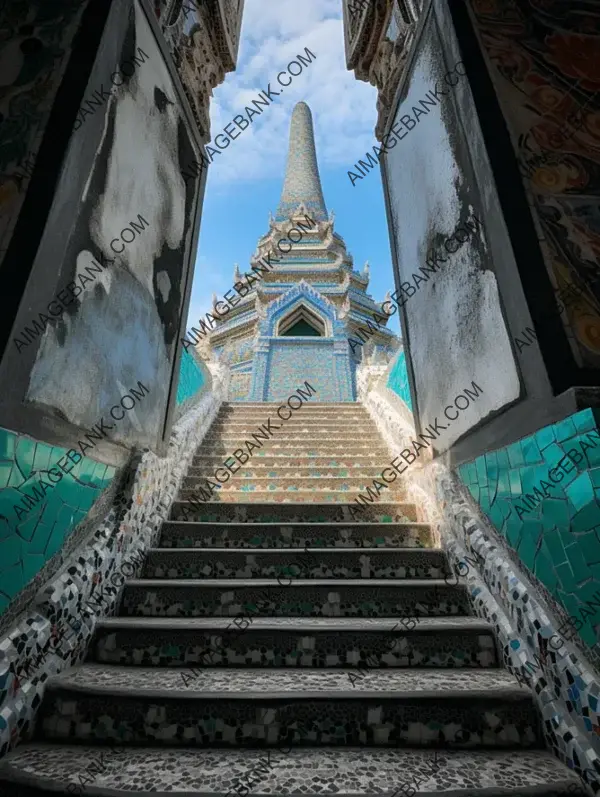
[(319, 258)]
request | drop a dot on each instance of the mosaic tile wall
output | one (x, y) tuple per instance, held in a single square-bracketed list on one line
[(550, 104), (398, 380), (30, 537), (565, 684), (555, 532)]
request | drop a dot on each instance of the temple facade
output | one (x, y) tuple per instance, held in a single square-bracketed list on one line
[(306, 311)]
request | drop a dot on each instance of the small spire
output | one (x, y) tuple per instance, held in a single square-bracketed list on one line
[(366, 270), (236, 272), (302, 184)]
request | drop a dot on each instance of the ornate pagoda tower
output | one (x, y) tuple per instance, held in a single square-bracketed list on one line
[(294, 323)]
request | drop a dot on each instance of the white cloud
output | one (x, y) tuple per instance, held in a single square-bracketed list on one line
[(272, 35)]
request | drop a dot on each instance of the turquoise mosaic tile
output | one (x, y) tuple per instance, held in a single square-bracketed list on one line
[(398, 380), (31, 535), (192, 377), (552, 524)]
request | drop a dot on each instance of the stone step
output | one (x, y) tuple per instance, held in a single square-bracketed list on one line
[(270, 407), (262, 469), (342, 536), (289, 495), (282, 512), (208, 462), (42, 769), (362, 643), (239, 707), (307, 442), (286, 564), (302, 598), (355, 484), (314, 425)]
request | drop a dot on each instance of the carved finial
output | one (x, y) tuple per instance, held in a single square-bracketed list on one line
[(387, 297), (236, 272), (214, 299), (366, 270)]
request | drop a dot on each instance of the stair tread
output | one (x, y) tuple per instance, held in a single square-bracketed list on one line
[(286, 523), (298, 552), (300, 684), (306, 771), (308, 624), (232, 583)]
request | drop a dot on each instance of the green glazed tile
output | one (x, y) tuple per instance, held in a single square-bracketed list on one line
[(566, 577), (565, 430), (544, 569), (555, 512), (545, 437), (585, 519), (5, 473), (528, 544), (25, 455), (592, 453), (42, 457), (514, 476), (515, 455), (529, 478), (584, 421), (502, 457), (482, 478), (553, 453), (531, 451), (577, 562), (503, 488), (553, 547), (595, 476), (580, 491), (7, 444), (491, 464)]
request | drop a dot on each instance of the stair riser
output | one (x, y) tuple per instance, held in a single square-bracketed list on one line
[(210, 463), (230, 428), (265, 482), (345, 600), (240, 496), (253, 647), (300, 442), (293, 513), (462, 722), (259, 471), (311, 536), (347, 564)]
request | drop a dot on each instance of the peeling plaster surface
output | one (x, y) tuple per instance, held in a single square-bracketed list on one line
[(126, 325), (456, 331)]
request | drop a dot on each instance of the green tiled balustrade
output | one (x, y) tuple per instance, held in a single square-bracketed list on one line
[(398, 380), (549, 515), (30, 537)]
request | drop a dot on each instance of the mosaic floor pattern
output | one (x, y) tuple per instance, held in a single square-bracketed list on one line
[(241, 663)]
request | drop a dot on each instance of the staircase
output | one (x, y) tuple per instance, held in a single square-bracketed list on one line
[(276, 646)]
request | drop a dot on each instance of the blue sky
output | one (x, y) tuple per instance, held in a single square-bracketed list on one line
[(245, 181)]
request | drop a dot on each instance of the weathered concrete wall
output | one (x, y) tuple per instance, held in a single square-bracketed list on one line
[(454, 326)]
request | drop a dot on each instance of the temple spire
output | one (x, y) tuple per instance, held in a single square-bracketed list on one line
[(302, 184)]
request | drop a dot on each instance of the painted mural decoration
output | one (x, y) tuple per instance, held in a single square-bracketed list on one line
[(556, 132)]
